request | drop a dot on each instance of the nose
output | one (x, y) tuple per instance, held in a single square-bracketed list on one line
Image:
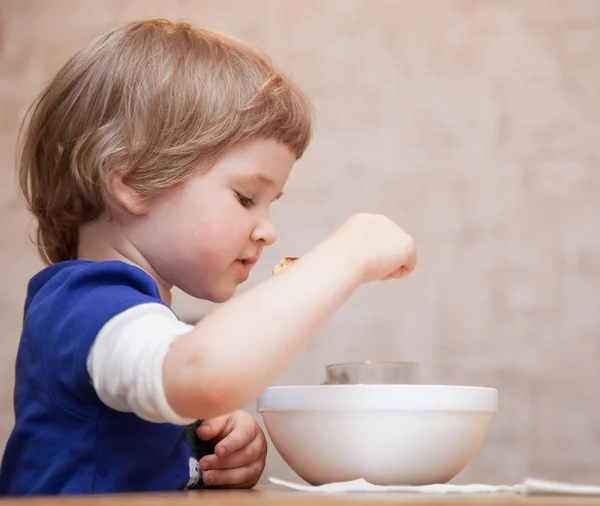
[(265, 232)]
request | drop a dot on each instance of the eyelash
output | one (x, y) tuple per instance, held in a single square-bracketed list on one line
[(245, 201)]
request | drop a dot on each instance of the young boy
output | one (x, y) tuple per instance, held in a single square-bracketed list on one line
[(150, 161)]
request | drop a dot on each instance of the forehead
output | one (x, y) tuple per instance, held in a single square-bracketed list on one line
[(263, 159)]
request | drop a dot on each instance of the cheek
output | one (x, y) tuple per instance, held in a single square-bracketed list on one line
[(206, 229), (224, 237), (218, 238), (226, 223)]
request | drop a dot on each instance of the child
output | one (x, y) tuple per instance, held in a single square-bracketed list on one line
[(150, 161)]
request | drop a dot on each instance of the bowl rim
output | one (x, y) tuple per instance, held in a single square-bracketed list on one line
[(417, 397)]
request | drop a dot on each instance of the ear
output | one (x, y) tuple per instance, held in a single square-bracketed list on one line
[(128, 197)]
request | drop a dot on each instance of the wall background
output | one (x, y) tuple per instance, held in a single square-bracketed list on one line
[(474, 125)]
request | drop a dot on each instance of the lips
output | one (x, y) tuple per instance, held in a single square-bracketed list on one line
[(249, 261), (246, 265)]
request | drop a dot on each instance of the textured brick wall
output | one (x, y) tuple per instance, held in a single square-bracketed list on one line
[(473, 124)]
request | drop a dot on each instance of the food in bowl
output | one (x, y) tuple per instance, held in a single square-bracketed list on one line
[(386, 434)]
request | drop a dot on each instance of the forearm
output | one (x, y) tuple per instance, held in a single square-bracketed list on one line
[(241, 348)]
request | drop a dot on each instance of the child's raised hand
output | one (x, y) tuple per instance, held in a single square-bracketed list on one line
[(381, 249), (240, 451)]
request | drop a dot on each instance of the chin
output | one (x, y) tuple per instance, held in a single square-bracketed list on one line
[(222, 296), (217, 294)]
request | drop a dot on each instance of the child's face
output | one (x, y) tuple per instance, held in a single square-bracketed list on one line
[(205, 237)]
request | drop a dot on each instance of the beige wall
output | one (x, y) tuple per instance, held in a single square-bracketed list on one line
[(473, 124)]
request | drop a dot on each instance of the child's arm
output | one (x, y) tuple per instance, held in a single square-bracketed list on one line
[(232, 355)]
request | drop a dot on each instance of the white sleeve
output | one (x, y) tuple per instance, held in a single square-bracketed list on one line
[(126, 360)]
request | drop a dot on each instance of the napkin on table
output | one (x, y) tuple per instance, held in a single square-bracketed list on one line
[(529, 486)]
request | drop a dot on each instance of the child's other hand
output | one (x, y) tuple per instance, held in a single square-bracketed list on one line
[(240, 451), (382, 249)]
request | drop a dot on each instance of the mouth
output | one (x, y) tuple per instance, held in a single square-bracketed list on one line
[(246, 264), (248, 261)]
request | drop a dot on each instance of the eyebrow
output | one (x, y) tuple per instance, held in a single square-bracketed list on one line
[(264, 180)]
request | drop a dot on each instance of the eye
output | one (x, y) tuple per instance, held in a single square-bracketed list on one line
[(246, 202)]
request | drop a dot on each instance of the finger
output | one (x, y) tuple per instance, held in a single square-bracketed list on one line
[(402, 272), (212, 428), (241, 435), (242, 457), (240, 477), (406, 268), (411, 258)]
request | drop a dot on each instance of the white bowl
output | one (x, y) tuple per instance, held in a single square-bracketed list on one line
[(386, 434)]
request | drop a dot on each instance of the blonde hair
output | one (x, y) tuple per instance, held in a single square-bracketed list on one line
[(154, 101)]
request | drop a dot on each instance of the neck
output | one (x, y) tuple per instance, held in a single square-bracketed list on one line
[(104, 239)]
